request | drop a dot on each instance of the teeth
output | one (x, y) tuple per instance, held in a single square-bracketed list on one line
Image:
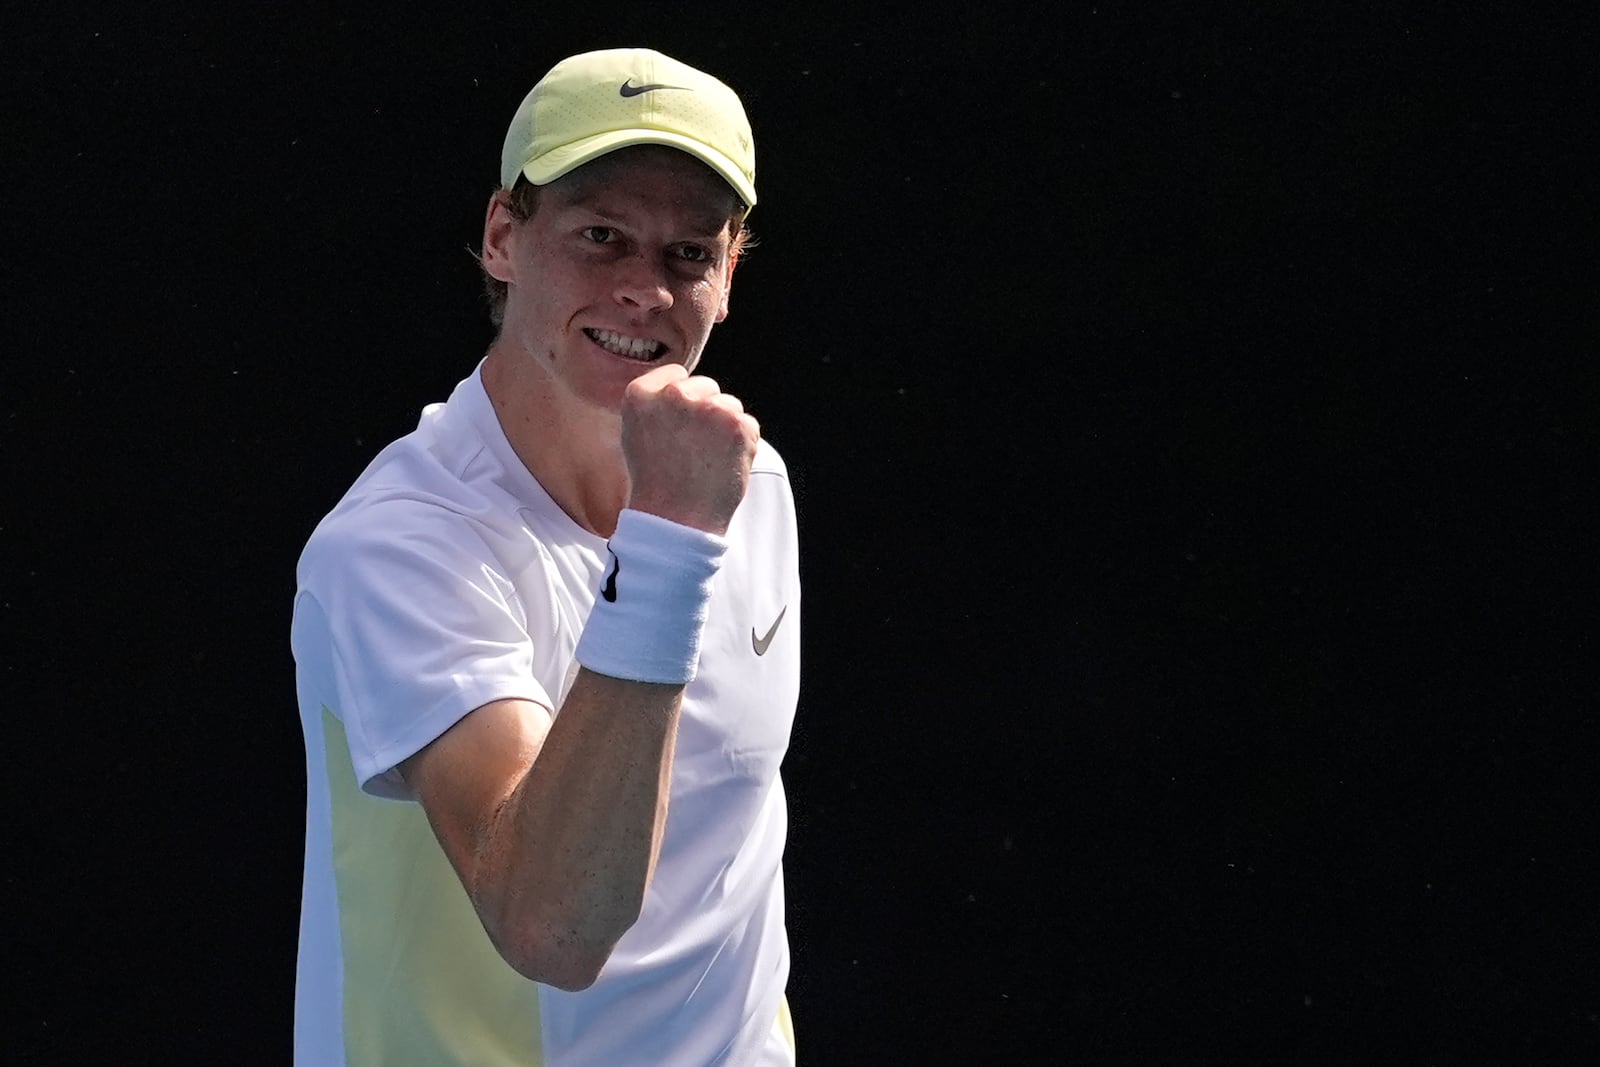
[(632, 347)]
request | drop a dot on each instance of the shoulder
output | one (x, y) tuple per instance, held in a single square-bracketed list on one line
[(418, 498), (384, 546), (382, 521), (768, 460), (769, 501)]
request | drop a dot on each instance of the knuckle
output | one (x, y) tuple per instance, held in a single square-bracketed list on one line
[(686, 388)]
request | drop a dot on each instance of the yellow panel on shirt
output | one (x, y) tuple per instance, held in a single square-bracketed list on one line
[(423, 985)]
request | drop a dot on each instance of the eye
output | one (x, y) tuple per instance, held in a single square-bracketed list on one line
[(694, 253), (600, 235)]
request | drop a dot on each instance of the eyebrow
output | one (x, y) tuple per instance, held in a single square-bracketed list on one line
[(700, 224)]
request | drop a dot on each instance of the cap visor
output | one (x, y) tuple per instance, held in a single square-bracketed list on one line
[(569, 157)]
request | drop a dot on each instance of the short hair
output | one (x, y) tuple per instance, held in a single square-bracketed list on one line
[(523, 200)]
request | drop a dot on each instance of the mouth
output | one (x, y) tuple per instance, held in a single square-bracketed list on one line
[(639, 349)]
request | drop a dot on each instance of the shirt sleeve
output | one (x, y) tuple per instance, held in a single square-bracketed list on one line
[(403, 628)]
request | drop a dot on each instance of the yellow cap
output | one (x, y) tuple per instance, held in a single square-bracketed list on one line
[(598, 102)]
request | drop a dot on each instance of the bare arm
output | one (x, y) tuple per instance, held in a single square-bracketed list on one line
[(555, 828)]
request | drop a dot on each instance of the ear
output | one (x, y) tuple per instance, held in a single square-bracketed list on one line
[(498, 230)]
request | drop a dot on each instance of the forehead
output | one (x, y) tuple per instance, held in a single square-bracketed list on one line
[(652, 176)]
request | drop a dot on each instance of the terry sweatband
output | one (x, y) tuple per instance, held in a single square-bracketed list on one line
[(653, 600)]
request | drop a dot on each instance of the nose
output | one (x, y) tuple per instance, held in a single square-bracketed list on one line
[(642, 283)]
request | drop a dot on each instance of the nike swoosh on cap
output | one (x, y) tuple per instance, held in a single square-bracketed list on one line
[(627, 88)]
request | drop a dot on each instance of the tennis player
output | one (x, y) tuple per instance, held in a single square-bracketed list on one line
[(547, 645)]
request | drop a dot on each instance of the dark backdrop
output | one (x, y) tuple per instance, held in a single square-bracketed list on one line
[(1192, 415)]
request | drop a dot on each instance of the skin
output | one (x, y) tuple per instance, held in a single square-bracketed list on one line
[(554, 823)]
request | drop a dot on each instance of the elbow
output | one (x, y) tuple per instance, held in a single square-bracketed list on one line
[(570, 972), (555, 955), (549, 939)]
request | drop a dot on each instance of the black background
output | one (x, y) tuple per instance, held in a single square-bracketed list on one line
[(1192, 415)]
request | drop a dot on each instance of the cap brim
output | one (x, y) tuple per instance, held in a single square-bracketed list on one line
[(553, 164)]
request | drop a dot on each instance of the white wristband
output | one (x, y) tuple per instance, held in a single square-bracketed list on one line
[(653, 601)]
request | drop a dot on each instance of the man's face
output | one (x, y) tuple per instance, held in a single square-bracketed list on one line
[(625, 265)]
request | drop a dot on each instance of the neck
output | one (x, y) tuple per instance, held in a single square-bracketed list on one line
[(574, 452)]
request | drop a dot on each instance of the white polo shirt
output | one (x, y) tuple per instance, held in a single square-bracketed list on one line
[(447, 578)]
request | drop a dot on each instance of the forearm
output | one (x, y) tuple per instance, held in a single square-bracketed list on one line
[(574, 847)]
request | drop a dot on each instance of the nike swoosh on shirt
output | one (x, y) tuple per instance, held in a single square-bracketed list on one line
[(761, 644)]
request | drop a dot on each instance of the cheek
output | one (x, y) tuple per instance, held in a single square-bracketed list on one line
[(706, 299), (557, 293)]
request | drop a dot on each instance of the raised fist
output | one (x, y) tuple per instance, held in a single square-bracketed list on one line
[(688, 446)]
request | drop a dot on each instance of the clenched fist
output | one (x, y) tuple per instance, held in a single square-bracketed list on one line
[(688, 446)]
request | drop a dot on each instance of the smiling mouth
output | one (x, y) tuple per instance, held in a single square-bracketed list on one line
[(641, 349)]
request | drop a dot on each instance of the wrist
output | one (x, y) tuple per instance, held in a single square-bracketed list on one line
[(654, 596)]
